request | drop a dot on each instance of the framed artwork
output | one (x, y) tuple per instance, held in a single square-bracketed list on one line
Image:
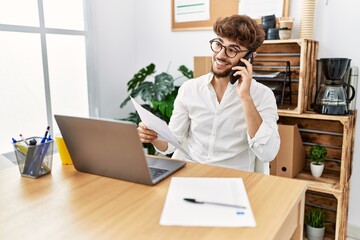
[(202, 14)]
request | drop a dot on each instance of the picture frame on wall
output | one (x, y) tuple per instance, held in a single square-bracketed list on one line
[(186, 15)]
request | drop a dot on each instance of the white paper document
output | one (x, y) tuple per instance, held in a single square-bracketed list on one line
[(159, 126), (229, 191)]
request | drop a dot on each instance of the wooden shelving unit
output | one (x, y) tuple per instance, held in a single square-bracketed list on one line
[(331, 190), (336, 133)]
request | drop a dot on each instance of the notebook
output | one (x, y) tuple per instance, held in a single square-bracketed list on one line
[(112, 149)]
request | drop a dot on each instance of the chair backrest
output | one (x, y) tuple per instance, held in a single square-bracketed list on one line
[(262, 167)]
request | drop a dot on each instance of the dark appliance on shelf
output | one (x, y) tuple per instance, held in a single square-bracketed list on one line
[(332, 97)]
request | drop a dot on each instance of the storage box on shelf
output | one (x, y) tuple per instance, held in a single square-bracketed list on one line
[(302, 54), (331, 190), (290, 159)]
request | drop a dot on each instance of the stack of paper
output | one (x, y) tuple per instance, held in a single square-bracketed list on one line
[(228, 191)]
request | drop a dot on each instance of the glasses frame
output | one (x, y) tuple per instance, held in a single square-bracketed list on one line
[(222, 46)]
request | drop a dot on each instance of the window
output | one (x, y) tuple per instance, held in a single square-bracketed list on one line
[(43, 66)]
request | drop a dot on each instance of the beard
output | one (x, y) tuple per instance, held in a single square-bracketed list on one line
[(222, 74)]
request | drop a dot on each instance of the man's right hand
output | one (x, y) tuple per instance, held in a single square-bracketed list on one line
[(149, 136), (146, 135)]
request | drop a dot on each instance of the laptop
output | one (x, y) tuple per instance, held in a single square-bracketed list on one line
[(112, 149)]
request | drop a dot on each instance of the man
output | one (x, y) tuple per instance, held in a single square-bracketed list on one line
[(220, 123)]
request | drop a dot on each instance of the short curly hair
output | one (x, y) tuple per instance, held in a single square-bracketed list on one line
[(241, 29)]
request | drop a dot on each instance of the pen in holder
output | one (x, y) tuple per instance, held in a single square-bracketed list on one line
[(34, 160)]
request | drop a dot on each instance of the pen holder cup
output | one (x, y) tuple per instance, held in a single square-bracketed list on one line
[(34, 160)]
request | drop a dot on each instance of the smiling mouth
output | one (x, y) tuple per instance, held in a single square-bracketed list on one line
[(220, 68), (221, 62)]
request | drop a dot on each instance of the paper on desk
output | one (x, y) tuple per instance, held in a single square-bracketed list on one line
[(159, 126), (178, 212)]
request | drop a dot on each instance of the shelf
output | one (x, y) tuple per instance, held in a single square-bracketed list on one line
[(322, 184), (302, 54), (336, 133), (280, 80), (331, 190), (344, 119), (293, 40)]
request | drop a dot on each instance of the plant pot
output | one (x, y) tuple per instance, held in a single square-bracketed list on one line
[(284, 34), (315, 233), (285, 23), (316, 170)]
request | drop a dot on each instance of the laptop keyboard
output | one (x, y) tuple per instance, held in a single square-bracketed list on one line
[(156, 172)]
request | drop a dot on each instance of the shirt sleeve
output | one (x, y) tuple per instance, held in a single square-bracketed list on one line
[(266, 142)]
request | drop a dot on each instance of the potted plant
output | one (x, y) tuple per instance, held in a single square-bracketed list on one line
[(158, 94), (317, 155), (285, 33), (315, 223)]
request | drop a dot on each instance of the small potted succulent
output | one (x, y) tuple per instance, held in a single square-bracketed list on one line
[(317, 155), (285, 33), (315, 223)]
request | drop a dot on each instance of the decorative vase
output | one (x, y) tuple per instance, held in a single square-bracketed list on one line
[(315, 233), (284, 34), (286, 22), (316, 170)]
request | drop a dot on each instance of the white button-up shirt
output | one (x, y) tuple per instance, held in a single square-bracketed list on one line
[(216, 133)]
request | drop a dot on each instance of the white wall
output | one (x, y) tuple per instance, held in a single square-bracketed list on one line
[(336, 29), (112, 32), (145, 27)]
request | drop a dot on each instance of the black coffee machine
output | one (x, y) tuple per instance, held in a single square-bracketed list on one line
[(331, 97)]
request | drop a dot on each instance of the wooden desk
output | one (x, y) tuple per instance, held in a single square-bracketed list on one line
[(71, 205)]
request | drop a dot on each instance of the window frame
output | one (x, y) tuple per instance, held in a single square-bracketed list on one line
[(43, 31)]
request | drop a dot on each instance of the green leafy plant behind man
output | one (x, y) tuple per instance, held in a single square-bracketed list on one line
[(159, 95)]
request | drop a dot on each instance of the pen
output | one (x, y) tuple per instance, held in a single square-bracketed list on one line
[(193, 200), (45, 135), (22, 138)]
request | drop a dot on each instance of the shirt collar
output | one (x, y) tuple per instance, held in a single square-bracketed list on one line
[(210, 77)]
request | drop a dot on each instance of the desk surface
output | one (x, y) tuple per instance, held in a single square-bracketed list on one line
[(69, 204)]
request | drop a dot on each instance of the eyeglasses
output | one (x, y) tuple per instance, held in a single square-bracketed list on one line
[(230, 51)]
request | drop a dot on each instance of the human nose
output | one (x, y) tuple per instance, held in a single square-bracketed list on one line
[(222, 51)]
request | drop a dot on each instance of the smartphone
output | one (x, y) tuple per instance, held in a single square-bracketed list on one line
[(250, 55)]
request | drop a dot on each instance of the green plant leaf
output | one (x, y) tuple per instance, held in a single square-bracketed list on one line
[(166, 106), (136, 81), (318, 154), (163, 85), (161, 94), (186, 72), (315, 217), (140, 76)]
